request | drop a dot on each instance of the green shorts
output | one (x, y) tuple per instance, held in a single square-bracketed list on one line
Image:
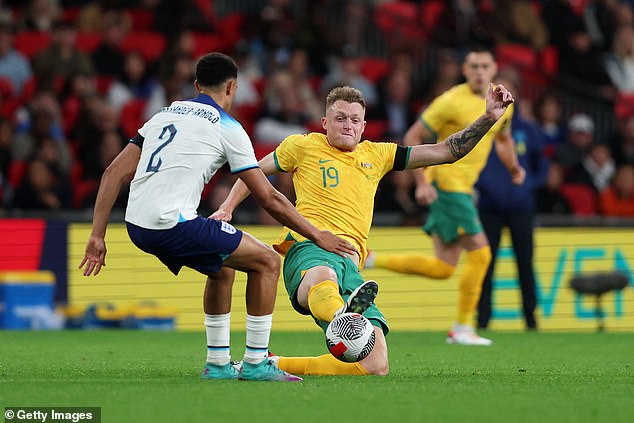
[(451, 215), (305, 255)]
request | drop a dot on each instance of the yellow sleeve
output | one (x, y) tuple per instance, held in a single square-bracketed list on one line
[(436, 114), (286, 155), (386, 152)]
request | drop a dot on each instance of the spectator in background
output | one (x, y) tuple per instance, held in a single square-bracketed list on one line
[(44, 123), (175, 83), (13, 65), (618, 198), (6, 135), (98, 15), (41, 190), (347, 71), (108, 58), (448, 73), (549, 116), (299, 71), (462, 24), (171, 17), (601, 19), (580, 62), (40, 15), (133, 82), (619, 62), (62, 59), (516, 22), (397, 108), (595, 169), (110, 146), (285, 112), (579, 140), (622, 141), (504, 204), (549, 198)]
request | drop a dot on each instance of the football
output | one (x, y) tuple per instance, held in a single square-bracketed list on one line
[(350, 337)]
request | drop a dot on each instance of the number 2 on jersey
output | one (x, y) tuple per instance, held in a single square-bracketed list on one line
[(172, 132)]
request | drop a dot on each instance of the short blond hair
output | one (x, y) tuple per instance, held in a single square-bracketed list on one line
[(347, 94)]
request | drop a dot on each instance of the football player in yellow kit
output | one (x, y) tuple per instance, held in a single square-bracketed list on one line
[(335, 178), (453, 220)]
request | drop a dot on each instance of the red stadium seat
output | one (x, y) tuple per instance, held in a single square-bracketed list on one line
[(30, 43), (549, 60), (17, 171), (400, 20), (375, 130), (88, 41), (374, 68), (430, 13), (517, 55), (150, 44), (206, 43), (142, 19), (582, 199), (132, 117)]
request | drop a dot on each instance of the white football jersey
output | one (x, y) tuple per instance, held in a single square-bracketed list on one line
[(182, 148)]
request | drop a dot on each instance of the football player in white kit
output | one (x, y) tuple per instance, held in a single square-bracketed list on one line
[(172, 157)]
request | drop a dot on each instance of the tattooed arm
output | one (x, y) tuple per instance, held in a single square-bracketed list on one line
[(459, 144)]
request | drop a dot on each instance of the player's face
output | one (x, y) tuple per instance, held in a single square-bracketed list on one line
[(344, 124), (479, 69)]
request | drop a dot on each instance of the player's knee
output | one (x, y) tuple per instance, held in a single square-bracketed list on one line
[(378, 365), (271, 260)]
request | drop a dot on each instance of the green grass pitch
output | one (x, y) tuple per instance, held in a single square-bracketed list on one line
[(154, 377)]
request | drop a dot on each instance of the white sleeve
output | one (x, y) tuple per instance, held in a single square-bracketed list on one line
[(238, 147)]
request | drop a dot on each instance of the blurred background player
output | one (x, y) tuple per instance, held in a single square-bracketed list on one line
[(172, 157), (453, 219), (336, 177), (504, 204)]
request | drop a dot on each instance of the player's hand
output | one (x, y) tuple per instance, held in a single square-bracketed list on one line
[(330, 242), (95, 256), (223, 215), (518, 175), (498, 99), (425, 194)]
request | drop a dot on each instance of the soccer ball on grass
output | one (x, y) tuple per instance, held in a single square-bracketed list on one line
[(350, 337)]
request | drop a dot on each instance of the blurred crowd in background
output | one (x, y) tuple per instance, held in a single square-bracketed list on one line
[(78, 78)]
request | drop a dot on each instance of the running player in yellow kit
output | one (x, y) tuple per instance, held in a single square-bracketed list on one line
[(453, 220), (335, 178)]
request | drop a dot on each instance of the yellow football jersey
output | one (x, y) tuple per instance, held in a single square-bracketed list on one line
[(334, 188), (449, 113)]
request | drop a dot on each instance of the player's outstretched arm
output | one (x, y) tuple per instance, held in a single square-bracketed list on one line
[(459, 144), (120, 170), (284, 212)]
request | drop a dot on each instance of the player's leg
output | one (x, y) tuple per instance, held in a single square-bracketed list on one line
[(262, 266), (441, 224), (217, 307), (469, 288), (492, 224), (521, 227), (376, 363), (319, 292)]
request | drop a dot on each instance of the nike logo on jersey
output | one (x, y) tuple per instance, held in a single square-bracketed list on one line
[(322, 161)]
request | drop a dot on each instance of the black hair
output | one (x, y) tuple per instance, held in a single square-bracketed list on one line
[(214, 69)]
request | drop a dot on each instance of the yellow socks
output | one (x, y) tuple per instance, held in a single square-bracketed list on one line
[(418, 264), (471, 284), (324, 300), (324, 365)]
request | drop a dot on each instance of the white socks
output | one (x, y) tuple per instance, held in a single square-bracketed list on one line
[(218, 333), (258, 334), (218, 336)]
